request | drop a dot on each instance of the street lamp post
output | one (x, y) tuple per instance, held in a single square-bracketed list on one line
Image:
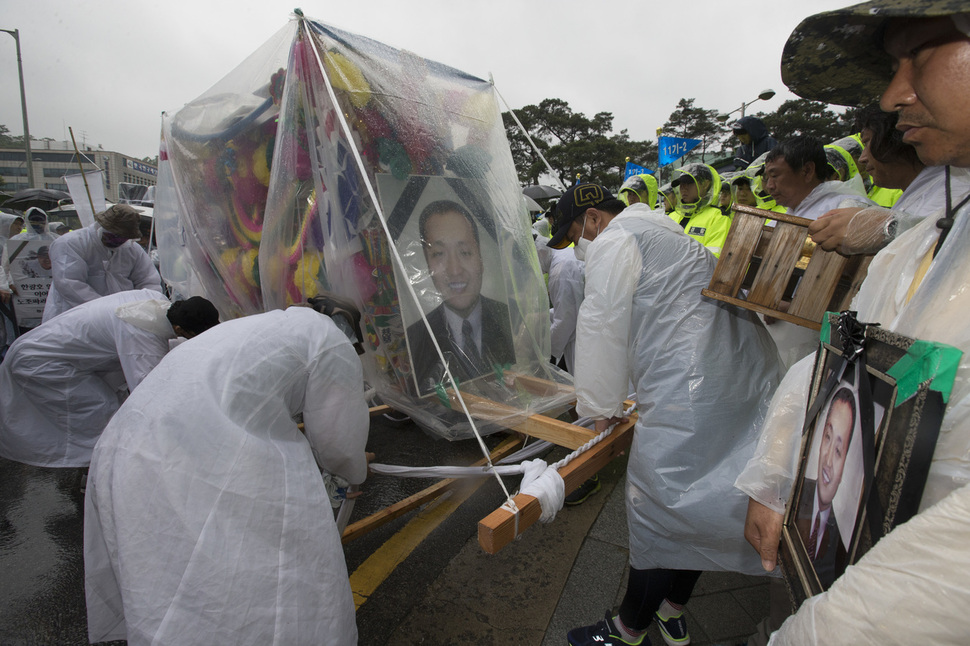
[(23, 104), (764, 96)]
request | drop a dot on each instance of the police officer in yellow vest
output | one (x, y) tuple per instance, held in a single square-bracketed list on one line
[(699, 187), (639, 189)]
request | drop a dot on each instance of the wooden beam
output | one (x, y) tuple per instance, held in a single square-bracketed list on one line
[(498, 529), (375, 520), (767, 311), (379, 410), (545, 428)]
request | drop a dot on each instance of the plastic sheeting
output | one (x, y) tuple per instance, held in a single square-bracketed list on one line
[(703, 373), (61, 383), (937, 312), (264, 200), (206, 519)]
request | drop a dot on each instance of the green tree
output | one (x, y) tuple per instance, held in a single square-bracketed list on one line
[(804, 117), (573, 144), (8, 141), (691, 122)]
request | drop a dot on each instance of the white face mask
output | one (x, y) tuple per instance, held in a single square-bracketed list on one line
[(582, 244), (580, 249)]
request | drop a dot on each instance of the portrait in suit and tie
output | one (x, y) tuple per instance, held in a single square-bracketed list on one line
[(829, 501), (472, 330)]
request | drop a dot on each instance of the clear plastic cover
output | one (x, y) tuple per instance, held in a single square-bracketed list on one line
[(415, 214)]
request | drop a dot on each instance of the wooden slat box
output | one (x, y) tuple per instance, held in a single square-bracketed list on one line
[(761, 261)]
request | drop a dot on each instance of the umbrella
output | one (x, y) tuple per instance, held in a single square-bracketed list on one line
[(540, 192), (44, 198), (532, 205)]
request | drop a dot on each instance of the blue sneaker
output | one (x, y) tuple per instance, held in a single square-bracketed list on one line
[(603, 633), (674, 630)]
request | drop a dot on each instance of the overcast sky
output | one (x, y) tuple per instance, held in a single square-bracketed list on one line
[(108, 68)]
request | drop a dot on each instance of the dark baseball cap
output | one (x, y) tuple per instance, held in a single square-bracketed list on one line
[(573, 204)]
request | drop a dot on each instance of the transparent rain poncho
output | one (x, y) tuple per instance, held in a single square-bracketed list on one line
[(644, 185), (308, 169), (707, 182)]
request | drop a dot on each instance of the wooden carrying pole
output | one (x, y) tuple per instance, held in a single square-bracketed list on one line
[(498, 529), (77, 156)]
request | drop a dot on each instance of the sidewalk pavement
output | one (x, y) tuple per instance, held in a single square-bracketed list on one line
[(563, 575)]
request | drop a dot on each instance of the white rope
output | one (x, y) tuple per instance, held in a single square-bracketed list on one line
[(443, 471), (394, 252), (539, 480)]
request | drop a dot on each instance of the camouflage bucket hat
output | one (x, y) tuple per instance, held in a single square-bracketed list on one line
[(121, 220), (837, 56)]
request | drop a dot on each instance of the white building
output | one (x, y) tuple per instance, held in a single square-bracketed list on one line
[(52, 160)]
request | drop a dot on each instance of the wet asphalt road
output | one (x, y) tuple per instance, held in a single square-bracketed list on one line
[(41, 562), (41, 522)]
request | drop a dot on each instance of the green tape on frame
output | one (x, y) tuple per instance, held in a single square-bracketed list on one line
[(926, 361)]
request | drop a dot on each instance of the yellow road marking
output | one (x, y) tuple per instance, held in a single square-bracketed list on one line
[(379, 565)]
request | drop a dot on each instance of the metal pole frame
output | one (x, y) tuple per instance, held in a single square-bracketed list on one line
[(23, 105)]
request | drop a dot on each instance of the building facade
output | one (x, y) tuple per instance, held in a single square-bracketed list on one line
[(52, 160)]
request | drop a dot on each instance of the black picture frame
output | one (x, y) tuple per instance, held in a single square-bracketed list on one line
[(900, 445)]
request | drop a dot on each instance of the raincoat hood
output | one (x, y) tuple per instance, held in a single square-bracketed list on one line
[(708, 184), (668, 196), (841, 161), (6, 220), (36, 220), (644, 185), (753, 126), (755, 172)]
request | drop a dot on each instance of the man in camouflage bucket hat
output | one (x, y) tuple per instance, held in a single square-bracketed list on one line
[(120, 220), (913, 586), (838, 56), (99, 260)]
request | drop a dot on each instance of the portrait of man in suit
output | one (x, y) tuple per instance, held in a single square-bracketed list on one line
[(472, 330), (816, 520)]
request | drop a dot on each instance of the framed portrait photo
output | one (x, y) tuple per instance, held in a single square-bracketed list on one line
[(876, 404), (454, 305)]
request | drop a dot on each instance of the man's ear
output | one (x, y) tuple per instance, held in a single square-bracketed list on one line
[(808, 171)]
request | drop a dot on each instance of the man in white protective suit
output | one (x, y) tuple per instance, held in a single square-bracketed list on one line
[(98, 260), (913, 586), (61, 382), (207, 520), (566, 281), (703, 372)]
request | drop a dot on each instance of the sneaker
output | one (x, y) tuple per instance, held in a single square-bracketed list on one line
[(583, 491), (674, 630), (603, 633)]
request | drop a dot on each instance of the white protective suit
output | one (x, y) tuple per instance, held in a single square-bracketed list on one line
[(566, 282), (84, 269), (27, 234), (61, 382), (704, 372), (926, 196), (206, 518), (6, 325), (921, 566), (794, 341), (827, 196)]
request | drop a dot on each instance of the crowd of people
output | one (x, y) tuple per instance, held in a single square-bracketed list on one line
[(897, 189), (204, 494)]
